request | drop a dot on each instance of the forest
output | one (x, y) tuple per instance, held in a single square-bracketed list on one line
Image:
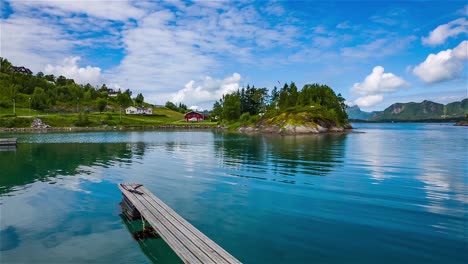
[(250, 103), (52, 93)]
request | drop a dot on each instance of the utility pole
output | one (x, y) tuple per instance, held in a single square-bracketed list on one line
[(29, 106)]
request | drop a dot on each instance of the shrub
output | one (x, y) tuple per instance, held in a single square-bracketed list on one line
[(245, 117)]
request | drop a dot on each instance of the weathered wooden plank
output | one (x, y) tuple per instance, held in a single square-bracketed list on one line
[(191, 245), (186, 241), (171, 239), (196, 245), (202, 240)]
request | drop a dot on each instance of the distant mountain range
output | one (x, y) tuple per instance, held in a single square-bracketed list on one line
[(354, 112), (404, 112)]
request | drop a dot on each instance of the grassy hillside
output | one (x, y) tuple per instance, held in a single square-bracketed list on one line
[(60, 102), (160, 117), (456, 108), (408, 111)]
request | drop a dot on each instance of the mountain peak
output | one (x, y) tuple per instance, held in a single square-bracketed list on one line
[(411, 111)]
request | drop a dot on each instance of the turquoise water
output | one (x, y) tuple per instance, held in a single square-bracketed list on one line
[(393, 193)]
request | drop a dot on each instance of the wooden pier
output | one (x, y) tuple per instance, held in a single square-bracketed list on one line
[(191, 245), (7, 142)]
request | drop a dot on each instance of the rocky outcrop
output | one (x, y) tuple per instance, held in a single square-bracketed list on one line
[(294, 123), (461, 123), (291, 129), (38, 124)]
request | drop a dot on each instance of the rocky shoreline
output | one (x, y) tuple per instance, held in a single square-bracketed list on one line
[(295, 129), (461, 123), (39, 126), (109, 128), (323, 127)]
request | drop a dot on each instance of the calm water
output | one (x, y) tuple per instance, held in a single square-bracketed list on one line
[(394, 193)]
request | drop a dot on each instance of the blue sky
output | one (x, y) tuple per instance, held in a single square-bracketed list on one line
[(374, 53)]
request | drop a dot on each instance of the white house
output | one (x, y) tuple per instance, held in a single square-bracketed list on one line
[(136, 110)]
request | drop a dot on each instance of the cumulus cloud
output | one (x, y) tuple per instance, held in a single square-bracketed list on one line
[(369, 100), (207, 91), (70, 69), (378, 82), (461, 51), (375, 85), (445, 65), (441, 33)]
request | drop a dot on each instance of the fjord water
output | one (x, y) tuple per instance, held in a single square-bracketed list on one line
[(386, 193)]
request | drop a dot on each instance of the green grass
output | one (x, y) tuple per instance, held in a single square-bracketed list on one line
[(160, 117), (19, 111)]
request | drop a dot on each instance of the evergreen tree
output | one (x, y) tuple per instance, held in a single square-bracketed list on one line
[(283, 96), (274, 97), (217, 111), (5, 65), (139, 99), (231, 107)]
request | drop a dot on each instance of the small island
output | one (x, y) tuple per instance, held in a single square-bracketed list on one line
[(314, 109)]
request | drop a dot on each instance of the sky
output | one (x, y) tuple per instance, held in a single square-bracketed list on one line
[(375, 53)]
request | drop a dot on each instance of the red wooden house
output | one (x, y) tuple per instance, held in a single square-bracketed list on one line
[(193, 116)]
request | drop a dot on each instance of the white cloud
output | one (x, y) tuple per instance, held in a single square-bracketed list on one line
[(32, 43), (461, 51), (169, 48), (369, 100), (273, 9), (70, 69), (106, 9), (445, 65), (375, 85), (379, 82), (441, 33), (208, 91), (164, 44), (160, 58)]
